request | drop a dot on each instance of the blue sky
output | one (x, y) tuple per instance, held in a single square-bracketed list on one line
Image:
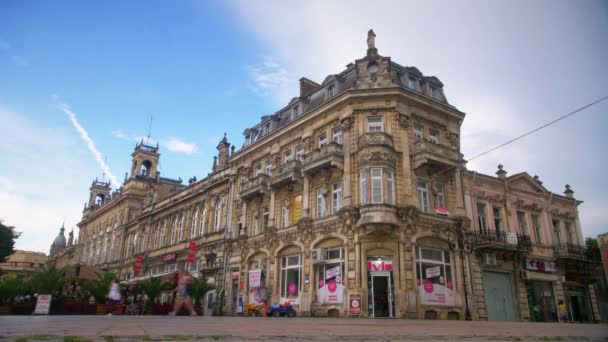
[(202, 68)]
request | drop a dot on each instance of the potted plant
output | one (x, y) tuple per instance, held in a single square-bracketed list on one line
[(153, 287), (99, 290), (49, 280), (198, 288), (10, 287)]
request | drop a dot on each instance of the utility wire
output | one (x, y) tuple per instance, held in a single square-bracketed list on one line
[(539, 128)]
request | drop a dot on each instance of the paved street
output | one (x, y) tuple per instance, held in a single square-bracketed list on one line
[(149, 328)]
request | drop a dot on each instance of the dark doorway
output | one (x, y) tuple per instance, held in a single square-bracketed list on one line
[(381, 297)]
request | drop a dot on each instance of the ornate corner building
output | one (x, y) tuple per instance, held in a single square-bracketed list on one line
[(355, 189)]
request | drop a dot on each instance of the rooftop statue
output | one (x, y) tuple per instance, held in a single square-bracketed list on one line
[(371, 39)]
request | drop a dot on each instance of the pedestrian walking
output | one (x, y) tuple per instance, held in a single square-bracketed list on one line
[(182, 295), (563, 311), (113, 295)]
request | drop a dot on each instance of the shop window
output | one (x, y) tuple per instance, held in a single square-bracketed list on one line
[(433, 136), (497, 220), (423, 195), (482, 218), (418, 128), (375, 124), (337, 135), (336, 196), (322, 139), (376, 174), (291, 269), (434, 276), (521, 221), (300, 152), (537, 229), (321, 202), (330, 277), (287, 155), (363, 180)]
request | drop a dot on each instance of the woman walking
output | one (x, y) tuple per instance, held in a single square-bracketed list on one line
[(182, 297), (113, 295)]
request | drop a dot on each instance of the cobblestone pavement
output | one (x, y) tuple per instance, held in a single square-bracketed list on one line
[(157, 328)]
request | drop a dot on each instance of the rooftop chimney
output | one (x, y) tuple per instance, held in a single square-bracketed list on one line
[(308, 87)]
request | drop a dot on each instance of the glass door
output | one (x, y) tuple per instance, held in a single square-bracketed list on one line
[(382, 296)]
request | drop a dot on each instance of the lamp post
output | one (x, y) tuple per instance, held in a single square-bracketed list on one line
[(463, 241)]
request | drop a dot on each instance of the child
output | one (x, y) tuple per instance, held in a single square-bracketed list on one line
[(563, 312)]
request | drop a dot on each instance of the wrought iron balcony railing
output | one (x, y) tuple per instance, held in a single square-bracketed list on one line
[(500, 240)]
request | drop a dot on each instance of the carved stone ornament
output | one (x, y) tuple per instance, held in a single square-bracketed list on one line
[(376, 156), (464, 222), (306, 230), (347, 123), (349, 215), (452, 137), (404, 120), (409, 215)]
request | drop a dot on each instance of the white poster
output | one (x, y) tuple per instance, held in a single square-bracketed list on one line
[(255, 281), (436, 294), (432, 272), (331, 286), (43, 304)]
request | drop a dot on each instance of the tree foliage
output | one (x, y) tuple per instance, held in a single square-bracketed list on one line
[(49, 280), (593, 250), (153, 287), (198, 288), (10, 287), (99, 288), (8, 235)]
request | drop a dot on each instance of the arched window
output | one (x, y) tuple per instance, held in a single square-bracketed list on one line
[(174, 230), (193, 229), (217, 215), (99, 199), (161, 240), (145, 168), (203, 220), (180, 235)]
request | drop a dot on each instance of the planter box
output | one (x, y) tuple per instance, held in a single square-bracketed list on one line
[(5, 309)]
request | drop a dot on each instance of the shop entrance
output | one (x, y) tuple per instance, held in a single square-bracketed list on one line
[(577, 304), (498, 293), (382, 296)]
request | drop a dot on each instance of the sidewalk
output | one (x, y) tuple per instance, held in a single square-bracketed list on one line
[(146, 328)]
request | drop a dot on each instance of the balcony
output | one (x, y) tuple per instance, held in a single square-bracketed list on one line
[(375, 139), (255, 186), (287, 173), (490, 240), (378, 219), (330, 155), (570, 252), (429, 153)]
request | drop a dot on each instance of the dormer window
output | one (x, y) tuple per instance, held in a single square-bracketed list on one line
[(295, 111), (267, 128), (434, 92), (247, 139), (411, 83), (331, 90)]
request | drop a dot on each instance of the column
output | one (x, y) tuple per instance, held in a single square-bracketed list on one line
[(346, 146), (305, 201), (271, 209)]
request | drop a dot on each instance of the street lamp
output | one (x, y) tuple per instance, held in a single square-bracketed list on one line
[(464, 242)]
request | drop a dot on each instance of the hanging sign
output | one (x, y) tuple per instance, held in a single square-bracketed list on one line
[(138, 262), (511, 238), (191, 251), (169, 257)]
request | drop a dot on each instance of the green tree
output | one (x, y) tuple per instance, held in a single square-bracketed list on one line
[(198, 288), (10, 287), (8, 235), (593, 250), (99, 288), (153, 287), (49, 280)]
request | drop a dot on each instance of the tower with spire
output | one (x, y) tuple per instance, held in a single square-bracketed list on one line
[(59, 243)]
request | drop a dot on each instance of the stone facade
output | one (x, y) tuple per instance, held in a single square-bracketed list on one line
[(23, 263), (353, 188)]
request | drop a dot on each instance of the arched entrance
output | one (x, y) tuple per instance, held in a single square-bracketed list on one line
[(380, 284)]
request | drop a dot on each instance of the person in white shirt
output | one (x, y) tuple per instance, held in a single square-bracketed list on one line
[(113, 295)]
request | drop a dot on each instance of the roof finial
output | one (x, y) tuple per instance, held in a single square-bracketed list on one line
[(371, 39)]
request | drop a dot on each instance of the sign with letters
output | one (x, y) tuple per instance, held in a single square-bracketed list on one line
[(43, 304)]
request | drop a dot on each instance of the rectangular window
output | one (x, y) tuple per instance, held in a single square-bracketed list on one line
[(193, 266), (287, 155), (418, 129), (299, 152), (497, 219), (291, 269), (482, 218), (258, 169), (433, 91), (269, 167), (537, 229), (337, 135), (411, 83), (247, 139), (363, 178), (330, 272), (265, 217), (433, 136), (440, 196), (390, 187), (521, 221), (375, 124), (320, 202), (322, 139), (376, 185), (331, 91), (556, 230), (423, 196), (295, 111), (434, 272), (284, 214), (254, 224), (570, 233), (267, 128), (170, 267), (336, 196)]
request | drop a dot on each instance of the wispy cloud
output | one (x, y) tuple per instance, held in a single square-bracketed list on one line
[(270, 78), (175, 144), (120, 134), (87, 139)]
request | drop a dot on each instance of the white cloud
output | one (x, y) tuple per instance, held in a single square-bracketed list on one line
[(87, 139), (175, 144), (45, 182), (271, 78), (120, 134)]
